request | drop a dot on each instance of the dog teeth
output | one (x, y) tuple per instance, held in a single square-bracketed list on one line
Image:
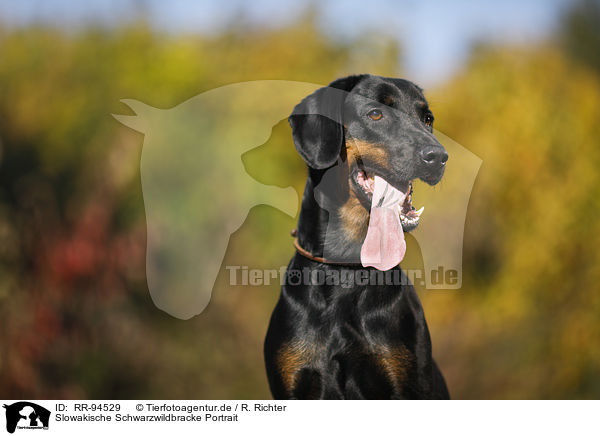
[(420, 211), (408, 220)]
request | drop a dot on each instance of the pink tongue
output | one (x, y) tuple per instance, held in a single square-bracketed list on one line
[(384, 247)]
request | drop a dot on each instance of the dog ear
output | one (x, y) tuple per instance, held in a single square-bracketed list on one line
[(318, 125)]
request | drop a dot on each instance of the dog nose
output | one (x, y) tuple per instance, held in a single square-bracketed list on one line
[(434, 155)]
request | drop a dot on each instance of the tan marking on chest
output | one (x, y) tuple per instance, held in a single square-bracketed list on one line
[(395, 363), (291, 358)]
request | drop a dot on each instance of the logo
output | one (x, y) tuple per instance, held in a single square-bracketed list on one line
[(26, 415)]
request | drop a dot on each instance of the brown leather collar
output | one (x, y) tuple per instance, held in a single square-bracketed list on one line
[(310, 256), (307, 254)]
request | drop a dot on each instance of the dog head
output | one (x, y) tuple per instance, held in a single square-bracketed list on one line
[(376, 126)]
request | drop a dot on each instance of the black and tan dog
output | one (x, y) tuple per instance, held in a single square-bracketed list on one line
[(326, 340)]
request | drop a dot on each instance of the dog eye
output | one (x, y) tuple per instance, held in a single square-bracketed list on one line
[(428, 119), (375, 115)]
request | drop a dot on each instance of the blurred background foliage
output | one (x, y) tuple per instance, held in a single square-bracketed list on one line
[(76, 318)]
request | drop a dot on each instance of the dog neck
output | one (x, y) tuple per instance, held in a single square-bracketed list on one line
[(332, 223)]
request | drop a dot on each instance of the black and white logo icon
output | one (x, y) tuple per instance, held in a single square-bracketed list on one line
[(26, 415)]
